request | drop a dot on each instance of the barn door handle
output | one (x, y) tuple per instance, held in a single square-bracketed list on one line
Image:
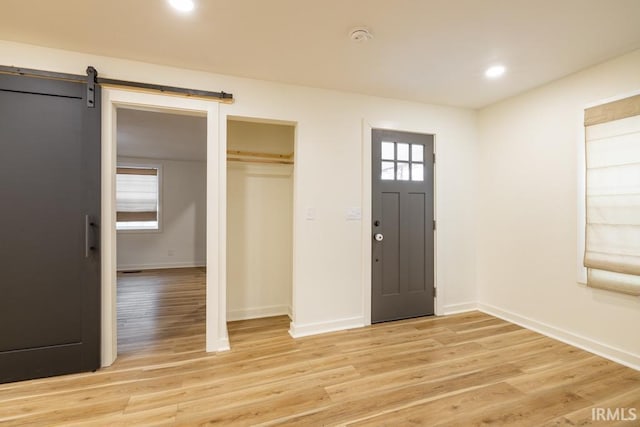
[(378, 237), (89, 244)]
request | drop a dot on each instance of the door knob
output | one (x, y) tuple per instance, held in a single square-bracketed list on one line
[(378, 237)]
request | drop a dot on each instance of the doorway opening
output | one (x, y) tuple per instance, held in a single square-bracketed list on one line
[(161, 216), (260, 183)]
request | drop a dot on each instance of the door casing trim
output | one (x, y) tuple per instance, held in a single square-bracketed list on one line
[(216, 329)]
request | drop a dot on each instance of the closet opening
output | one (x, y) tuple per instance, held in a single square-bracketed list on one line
[(260, 183)]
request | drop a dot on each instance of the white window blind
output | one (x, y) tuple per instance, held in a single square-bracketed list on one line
[(136, 194), (612, 247)]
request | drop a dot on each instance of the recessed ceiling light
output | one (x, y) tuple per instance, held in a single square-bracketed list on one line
[(182, 5), (495, 71)]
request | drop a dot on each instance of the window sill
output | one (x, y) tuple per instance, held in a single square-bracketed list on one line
[(138, 231)]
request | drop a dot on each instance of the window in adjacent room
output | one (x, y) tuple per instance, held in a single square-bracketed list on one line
[(137, 198), (612, 241)]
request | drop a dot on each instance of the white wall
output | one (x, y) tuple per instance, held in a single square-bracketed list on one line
[(329, 278), (259, 240), (181, 239), (528, 221), (254, 137)]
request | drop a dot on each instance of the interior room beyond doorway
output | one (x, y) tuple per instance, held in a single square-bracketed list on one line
[(161, 229)]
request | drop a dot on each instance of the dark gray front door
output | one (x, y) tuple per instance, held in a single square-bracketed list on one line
[(402, 228), (50, 196)]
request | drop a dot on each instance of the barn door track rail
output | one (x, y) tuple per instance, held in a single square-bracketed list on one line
[(92, 79)]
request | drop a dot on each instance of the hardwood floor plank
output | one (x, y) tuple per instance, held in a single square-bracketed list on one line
[(465, 369), (61, 414), (412, 375), (379, 400), (507, 339), (217, 392), (583, 371), (31, 406), (531, 409), (384, 362), (431, 412), (473, 335), (252, 412), (165, 416), (585, 416), (610, 385)]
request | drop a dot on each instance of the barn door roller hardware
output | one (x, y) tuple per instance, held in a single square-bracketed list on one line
[(92, 76), (160, 88), (92, 79)]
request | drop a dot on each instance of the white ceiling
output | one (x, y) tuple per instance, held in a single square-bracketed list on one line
[(154, 135), (424, 50)]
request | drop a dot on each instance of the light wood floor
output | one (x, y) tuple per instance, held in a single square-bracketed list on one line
[(462, 370)]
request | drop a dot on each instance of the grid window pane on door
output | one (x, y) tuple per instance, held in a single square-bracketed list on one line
[(401, 161), (403, 151), (403, 171), (388, 170), (388, 151)]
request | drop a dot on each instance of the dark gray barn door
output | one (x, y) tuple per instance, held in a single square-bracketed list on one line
[(402, 229), (50, 196)]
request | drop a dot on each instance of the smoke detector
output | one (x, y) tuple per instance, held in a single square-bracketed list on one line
[(360, 35)]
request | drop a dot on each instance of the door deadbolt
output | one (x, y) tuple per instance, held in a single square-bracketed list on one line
[(378, 237)]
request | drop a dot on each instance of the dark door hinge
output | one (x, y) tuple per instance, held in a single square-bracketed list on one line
[(434, 158), (435, 292), (434, 224)]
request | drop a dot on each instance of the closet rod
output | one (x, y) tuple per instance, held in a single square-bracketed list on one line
[(258, 160), (261, 155)]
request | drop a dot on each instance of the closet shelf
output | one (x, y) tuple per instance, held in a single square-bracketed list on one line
[(254, 157)]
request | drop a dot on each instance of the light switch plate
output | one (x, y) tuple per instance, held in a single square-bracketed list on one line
[(354, 214), (311, 214)]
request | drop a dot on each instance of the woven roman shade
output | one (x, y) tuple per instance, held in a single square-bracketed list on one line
[(136, 194), (612, 247)]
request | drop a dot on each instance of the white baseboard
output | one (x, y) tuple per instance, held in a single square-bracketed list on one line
[(161, 265), (615, 354), (223, 344), (460, 308), (298, 331), (257, 312)]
